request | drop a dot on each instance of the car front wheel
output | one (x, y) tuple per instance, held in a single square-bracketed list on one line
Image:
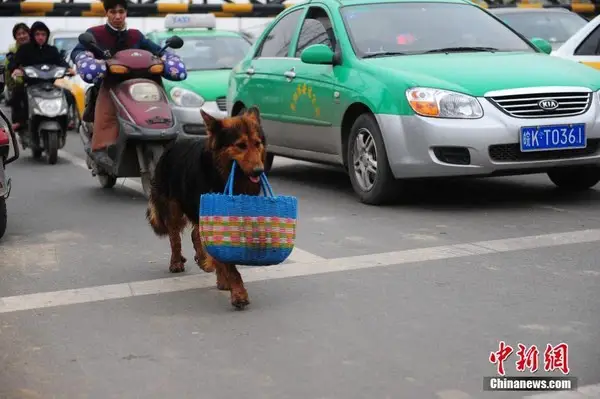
[(576, 178), (368, 165)]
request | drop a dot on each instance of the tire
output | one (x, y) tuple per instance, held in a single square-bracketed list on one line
[(577, 178), (107, 181), (270, 156), (3, 217), (381, 184), (36, 153), (52, 148)]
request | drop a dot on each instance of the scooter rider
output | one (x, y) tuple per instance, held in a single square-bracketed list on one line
[(36, 52), (21, 35), (114, 36)]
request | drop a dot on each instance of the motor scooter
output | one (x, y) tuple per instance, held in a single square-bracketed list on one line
[(47, 108), (146, 123), (7, 138)]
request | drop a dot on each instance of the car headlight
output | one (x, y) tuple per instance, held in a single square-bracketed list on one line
[(144, 92), (443, 104), (50, 107), (186, 98)]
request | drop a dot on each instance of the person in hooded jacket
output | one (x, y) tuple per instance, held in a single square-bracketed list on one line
[(36, 52)]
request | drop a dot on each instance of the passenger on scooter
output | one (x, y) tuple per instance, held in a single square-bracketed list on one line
[(114, 36), (36, 52), (21, 35)]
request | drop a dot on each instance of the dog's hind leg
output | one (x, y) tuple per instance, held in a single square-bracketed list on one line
[(200, 256), (175, 226), (229, 278)]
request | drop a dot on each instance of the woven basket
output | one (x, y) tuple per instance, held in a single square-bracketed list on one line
[(246, 229)]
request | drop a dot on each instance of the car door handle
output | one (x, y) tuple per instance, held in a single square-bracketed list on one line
[(250, 71), (290, 74)]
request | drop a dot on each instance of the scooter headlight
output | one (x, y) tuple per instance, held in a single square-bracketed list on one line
[(186, 98), (30, 72), (50, 107), (144, 92)]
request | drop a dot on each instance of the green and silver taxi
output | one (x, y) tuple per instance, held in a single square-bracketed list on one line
[(209, 55), (406, 89)]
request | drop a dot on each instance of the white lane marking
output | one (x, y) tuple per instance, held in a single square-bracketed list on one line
[(587, 391), (297, 255), (250, 274)]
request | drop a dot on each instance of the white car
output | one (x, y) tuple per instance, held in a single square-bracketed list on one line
[(583, 46)]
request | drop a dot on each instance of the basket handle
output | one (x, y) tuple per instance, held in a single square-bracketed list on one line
[(266, 187)]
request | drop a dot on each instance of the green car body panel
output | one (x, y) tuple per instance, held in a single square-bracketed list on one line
[(308, 109)]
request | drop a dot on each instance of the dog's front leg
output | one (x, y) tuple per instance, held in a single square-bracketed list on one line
[(177, 264), (200, 256), (229, 278)]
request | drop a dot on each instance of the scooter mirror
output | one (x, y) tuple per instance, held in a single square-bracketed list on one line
[(87, 39), (174, 42)]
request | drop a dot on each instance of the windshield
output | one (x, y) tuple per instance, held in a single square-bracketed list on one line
[(413, 28), (555, 27), (204, 53)]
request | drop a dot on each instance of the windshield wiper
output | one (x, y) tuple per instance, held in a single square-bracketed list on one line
[(460, 49), (383, 54)]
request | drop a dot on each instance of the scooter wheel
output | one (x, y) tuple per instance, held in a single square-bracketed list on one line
[(3, 217), (107, 181)]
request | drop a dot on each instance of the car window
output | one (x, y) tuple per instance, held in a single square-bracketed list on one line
[(201, 53), (421, 27), (278, 40), (591, 44), (316, 29), (555, 27)]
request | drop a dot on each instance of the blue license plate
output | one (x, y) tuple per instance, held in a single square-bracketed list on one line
[(553, 137)]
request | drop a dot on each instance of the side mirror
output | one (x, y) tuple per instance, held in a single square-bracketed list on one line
[(542, 45), (174, 42), (317, 54), (86, 39)]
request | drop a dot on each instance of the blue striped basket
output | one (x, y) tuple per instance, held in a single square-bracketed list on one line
[(246, 229)]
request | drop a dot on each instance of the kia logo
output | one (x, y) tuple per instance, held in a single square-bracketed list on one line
[(548, 104)]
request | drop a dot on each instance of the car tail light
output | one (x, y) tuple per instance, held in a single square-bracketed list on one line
[(4, 137)]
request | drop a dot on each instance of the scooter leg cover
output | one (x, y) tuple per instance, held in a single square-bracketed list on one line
[(90, 69), (174, 67), (106, 124)]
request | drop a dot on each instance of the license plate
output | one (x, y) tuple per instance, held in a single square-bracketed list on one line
[(553, 137)]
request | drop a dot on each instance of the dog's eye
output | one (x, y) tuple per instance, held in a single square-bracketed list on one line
[(242, 146)]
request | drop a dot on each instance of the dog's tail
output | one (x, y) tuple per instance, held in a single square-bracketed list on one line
[(156, 215)]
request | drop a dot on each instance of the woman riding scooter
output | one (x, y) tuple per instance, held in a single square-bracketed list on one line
[(21, 35)]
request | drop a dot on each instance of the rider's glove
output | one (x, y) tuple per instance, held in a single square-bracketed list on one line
[(174, 67), (89, 68)]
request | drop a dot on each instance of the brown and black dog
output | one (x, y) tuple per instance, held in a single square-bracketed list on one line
[(189, 168)]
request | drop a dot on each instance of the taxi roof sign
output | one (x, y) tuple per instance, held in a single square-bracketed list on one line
[(179, 21)]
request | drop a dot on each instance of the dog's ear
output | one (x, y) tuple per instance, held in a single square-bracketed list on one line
[(254, 112), (213, 125)]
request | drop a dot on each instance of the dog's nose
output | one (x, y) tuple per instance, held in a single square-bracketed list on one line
[(256, 172)]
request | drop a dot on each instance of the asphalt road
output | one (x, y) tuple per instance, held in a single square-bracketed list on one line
[(402, 301)]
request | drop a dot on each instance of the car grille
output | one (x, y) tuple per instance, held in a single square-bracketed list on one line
[(512, 153), (222, 103), (527, 105)]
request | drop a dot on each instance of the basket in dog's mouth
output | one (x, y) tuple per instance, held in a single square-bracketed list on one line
[(251, 230)]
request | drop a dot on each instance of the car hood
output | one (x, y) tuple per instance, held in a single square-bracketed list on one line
[(477, 73), (208, 84)]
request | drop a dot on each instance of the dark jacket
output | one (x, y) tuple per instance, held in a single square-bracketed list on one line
[(108, 38), (33, 54)]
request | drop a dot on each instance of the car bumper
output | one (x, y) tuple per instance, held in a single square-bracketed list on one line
[(419, 147), (192, 124)]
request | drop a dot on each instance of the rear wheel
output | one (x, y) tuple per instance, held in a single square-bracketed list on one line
[(107, 181), (368, 166), (52, 148), (577, 178), (3, 217)]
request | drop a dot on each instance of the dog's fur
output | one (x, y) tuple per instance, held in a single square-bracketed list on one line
[(190, 168)]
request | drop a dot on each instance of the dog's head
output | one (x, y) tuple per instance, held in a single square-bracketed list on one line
[(239, 138)]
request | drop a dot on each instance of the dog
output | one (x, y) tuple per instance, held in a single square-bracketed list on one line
[(189, 168)]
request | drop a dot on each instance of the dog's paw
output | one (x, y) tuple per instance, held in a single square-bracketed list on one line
[(177, 267), (239, 300)]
